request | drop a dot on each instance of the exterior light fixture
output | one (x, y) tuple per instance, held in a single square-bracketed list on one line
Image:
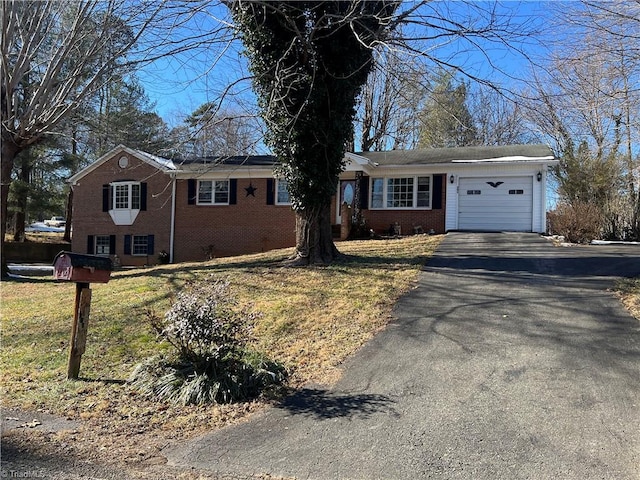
[(452, 179), (539, 176)]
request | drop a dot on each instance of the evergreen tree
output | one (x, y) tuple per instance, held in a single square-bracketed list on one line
[(446, 120), (124, 115)]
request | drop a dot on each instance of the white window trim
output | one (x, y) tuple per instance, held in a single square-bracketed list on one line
[(95, 246), (415, 192), (129, 186), (124, 216), (133, 245), (277, 201), (213, 192)]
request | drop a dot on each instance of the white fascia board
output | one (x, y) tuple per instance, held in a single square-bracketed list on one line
[(73, 179), (354, 162), (228, 172), (161, 164), (509, 160), (426, 169)]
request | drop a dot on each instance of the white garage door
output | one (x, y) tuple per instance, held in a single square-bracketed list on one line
[(495, 204)]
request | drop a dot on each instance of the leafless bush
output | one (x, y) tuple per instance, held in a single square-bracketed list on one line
[(579, 222)]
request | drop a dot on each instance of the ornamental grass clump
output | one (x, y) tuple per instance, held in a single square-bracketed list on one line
[(212, 360)]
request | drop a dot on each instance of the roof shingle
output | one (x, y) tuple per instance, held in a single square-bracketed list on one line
[(460, 154)]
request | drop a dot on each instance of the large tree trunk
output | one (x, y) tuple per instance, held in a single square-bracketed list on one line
[(22, 199), (314, 240), (9, 153)]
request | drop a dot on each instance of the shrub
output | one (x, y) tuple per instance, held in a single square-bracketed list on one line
[(163, 257), (212, 362), (579, 222)]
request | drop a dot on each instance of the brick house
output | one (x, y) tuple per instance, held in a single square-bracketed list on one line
[(136, 206)]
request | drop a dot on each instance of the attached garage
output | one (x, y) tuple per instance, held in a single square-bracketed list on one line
[(483, 188), (496, 203)]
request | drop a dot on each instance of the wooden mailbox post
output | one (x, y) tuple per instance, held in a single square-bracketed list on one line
[(82, 269)]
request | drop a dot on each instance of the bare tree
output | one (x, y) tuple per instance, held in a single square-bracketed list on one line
[(498, 119), (55, 55), (211, 131), (390, 102), (589, 105)]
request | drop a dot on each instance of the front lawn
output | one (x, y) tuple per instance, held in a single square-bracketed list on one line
[(312, 319)]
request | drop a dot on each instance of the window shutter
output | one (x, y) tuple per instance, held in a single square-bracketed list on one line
[(112, 244), (437, 192), (143, 196), (90, 245), (191, 191), (150, 244), (270, 191), (127, 244), (106, 190), (233, 191), (364, 193)]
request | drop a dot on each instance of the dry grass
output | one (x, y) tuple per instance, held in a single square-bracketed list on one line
[(312, 319), (629, 292), (39, 237)]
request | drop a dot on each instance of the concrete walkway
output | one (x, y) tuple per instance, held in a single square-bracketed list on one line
[(511, 360)]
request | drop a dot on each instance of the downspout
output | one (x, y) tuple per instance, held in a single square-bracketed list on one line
[(173, 217), (543, 168)]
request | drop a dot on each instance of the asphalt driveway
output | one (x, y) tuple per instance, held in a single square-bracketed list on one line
[(510, 360)]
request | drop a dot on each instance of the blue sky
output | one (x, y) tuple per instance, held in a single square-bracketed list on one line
[(181, 84)]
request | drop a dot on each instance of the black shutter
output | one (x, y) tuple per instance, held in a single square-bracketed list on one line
[(270, 191), (90, 245), (127, 244), (143, 196), (191, 191), (112, 244), (437, 192), (364, 193), (150, 244), (233, 191), (106, 189)]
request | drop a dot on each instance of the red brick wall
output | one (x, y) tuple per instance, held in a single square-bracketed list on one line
[(203, 231), (89, 219), (249, 226), (381, 220)]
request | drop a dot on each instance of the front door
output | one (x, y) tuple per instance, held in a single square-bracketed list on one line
[(347, 194)]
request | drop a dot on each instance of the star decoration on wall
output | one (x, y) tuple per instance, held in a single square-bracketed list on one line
[(251, 190)]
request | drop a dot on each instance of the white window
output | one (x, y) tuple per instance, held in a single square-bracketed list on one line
[(282, 192), (126, 196), (213, 192), (401, 192), (377, 193), (125, 202), (423, 199), (102, 246), (139, 245)]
